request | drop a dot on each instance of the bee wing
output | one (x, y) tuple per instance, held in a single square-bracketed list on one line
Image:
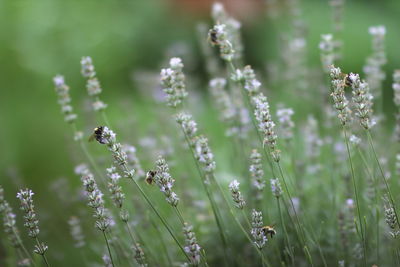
[(91, 137)]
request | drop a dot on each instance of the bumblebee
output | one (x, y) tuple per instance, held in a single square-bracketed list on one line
[(212, 37), (150, 177), (269, 230), (347, 82), (98, 135)]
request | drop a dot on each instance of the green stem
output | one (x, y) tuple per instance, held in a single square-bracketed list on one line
[(43, 255), (356, 194), (214, 208), (285, 232), (383, 176), (108, 248), (158, 214)]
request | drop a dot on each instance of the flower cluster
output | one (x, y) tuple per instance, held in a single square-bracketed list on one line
[(236, 195), (173, 82), (327, 51), (31, 221), (192, 248), (223, 101), (373, 68), (164, 180), (396, 88), (256, 170), (92, 85), (139, 255), (9, 223), (108, 137), (76, 231), (338, 94), (204, 154), (114, 188), (233, 26), (219, 36), (251, 84), (257, 232), (189, 126), (362, 99), (133, 160), (390, 218), (95, 201), (276, 187), (266, 125), (286, 123), (64, 99)]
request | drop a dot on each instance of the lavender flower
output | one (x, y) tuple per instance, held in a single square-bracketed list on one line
[(286, 123), (390, 218), (224, 103), (64, 99), (76, 231), (257, 232), (276, 187), (256, 170), (233, 26), (139, 255), (236, 195), (362, 101), (31, 221), (133, 160), (218, 36), (189, 126), (396, 88), (108, 137), (251, 84), (327, 51), (173, 82), (338, 95), (114, 188), (374, 73), (164, 180), (192, 248), (266, 125), (95, 201), (9, 223), (92, 84), (204, 154)]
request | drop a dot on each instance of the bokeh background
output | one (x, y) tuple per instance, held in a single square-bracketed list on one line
[(129, 41)]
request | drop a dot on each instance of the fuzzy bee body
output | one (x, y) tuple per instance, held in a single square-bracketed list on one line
[(212, 35), (98, 135), (150, 177), (269, 230)]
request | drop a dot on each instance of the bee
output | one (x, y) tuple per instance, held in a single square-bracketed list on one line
[(346, 80), (269, 230), (212, 36), (150, 177), (98, 135)]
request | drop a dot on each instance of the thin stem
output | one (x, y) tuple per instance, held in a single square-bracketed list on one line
[(291, 203), (158, 214), (42, 254), (108, 248), (178, 213), (23, 247), (356, 194), (383, 176), (210, 198), (285, 232)]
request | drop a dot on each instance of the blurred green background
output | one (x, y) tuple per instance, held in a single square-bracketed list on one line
[(40, 39)]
